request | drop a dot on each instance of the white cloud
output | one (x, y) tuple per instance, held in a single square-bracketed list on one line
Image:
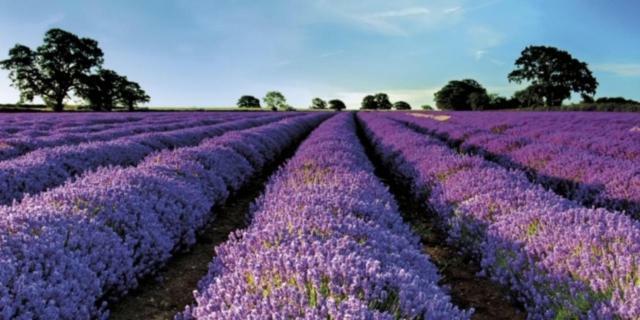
[(452, 10), (479, 54), (620, 69), (407, 12)]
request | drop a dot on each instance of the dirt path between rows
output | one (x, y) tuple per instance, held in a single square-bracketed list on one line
[(166, 294), (459, 273)]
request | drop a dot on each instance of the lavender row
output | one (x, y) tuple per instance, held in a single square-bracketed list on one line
[(18, 146), (580, 175), (25, 122), (326, 242), (63, 252), (563, 260), (609, 134), (49, 167)]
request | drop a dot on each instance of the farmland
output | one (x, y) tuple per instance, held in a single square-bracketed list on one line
[(320, 215)]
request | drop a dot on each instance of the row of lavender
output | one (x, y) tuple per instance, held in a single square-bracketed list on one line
[(30, 124), (326, 242), (563, 260), (13, 147), (579, 174), (602, 133), (49, 167), (65, 251)]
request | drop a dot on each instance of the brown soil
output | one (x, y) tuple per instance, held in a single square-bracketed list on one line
[(168, 293), (458, 272)]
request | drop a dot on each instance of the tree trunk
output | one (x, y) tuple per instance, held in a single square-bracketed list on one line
[(59, 106)]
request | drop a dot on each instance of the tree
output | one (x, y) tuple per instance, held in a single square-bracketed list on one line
[(54, 69), (426, 107), (248, 102), (618, 100), (318, 104), (586, 98), (369, 103), (337, 105), (464, 94), (275, 100), (382, 101), (101, 90), (529, 97), (497, 102), (554, 73), (130, 94), (401, 105)]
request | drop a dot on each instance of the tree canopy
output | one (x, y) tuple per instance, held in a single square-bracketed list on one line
[(379, 101), (337, 105), (66, 64), (465, 94), (401, 105), (553, 74), (318, 104), (248, 102), (275, 101)]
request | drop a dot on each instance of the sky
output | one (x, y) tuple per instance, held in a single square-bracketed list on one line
[(209, 53)]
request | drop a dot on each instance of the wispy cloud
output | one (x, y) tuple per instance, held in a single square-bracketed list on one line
[(406, 12), (452, 10), (330, 54), (620, 69), (479, 54)]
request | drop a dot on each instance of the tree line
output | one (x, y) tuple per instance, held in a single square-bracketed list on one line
[(66, 64), (274, 100), (551, 74)]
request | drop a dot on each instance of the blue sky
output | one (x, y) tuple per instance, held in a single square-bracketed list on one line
[(208, 53)]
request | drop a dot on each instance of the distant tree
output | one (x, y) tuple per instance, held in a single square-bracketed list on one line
[(401, 105), (464, 94), (275, 100), (54, 69), (554, 73), (337, 105), (619, 100), (587, 98), (131, 94), (248, 102), (382, 101), (318, 104), (101, 90), (529, 97), (369, 103), (497, 102), (426, 107), (289, 108)]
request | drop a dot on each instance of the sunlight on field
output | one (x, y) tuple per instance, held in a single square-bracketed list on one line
[(442, 117)]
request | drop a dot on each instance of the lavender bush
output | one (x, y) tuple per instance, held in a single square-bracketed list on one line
[(326, 242), (65, 252), (563, 260)]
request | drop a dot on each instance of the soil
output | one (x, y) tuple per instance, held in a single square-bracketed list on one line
[(459, 272), (171, 290)]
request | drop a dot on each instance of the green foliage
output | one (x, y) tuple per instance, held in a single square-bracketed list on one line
[(426, 107), (465, 94), (130, 94), (101, 90), (275, 100), (248, 102), (54, 69), (382, 101), (369, 103), (553, 74), (318, 104), (401, 105), (337, 105), (531, 96)]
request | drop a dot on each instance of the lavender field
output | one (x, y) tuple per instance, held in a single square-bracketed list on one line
[(334, 215)]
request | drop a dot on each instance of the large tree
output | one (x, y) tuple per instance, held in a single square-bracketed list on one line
[(369, 103), (382, 101), (54, 69), (275, 100), (337, 105), (101, 90), (401, 105), (465, 94), (318, 104), (554, 73), (131, 94), (248, 102)]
